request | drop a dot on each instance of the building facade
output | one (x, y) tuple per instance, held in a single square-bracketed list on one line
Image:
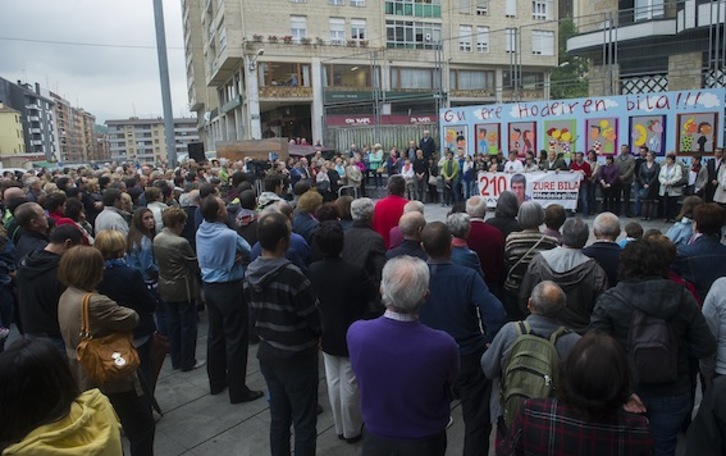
[(12, 140), (642, 46), (301, 68), (38, 117), (76, 141), (143, 140)]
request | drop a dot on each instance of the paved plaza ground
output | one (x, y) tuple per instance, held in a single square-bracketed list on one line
[(197, 423)]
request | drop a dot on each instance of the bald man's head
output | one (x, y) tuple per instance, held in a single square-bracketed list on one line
[(13, 193), (411, 225), (547, 299)]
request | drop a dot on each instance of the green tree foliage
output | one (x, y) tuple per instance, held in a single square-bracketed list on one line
[(569, 79)]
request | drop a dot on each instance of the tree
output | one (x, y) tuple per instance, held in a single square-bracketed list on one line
[(569, 79)]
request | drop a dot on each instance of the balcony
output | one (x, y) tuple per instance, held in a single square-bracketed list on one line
[(36, 142), (286, 92), (232, 104), (524, 94), (36, 131), (635, 31), (483, 93), (34, 118)]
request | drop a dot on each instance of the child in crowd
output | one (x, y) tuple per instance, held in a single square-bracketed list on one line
[(633, 232)]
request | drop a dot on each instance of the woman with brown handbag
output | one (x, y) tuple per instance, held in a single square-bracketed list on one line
[(81, 270)]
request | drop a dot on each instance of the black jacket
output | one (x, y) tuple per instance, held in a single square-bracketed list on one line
[(363, 247), (664, 299), (344, 292), (29, 241), (38, 293), (126, 286), (407, 247), (506, 225), (607, 255)]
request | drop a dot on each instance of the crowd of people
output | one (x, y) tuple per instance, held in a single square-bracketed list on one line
[(409, 315), (608, 184)]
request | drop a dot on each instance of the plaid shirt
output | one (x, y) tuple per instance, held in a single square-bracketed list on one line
[(550, 427)]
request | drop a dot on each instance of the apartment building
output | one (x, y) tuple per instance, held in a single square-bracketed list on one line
[(302, 68), (641, 46), (12, 141), (143, 140), (38, 117), (76, 141), (102, 147)]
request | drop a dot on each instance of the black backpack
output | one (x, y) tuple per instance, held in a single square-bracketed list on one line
[(652, 349)]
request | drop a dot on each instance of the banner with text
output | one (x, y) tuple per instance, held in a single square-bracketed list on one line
[(545, 188)]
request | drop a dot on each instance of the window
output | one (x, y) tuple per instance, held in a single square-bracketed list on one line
[(337, 30), (222, 38), (283, 74), (510, 37), (540, 10), (527, 80), (463, 6), (465, 38), (347, 76), (415, 8), (358, 3), (412, 78), (482, 39), (298, 27), (336, 2), (358, 29), (510, 8), (412, 35), (482, 8), (648, 9), (472, 80), (543, 42)]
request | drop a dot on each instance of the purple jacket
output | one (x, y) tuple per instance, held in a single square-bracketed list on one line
[(609, 174)]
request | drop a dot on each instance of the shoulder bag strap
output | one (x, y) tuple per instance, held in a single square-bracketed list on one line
[(509, 273), (556, 335), (523, 328), (85, 320)]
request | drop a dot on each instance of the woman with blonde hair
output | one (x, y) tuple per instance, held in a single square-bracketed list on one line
[(81, 270)]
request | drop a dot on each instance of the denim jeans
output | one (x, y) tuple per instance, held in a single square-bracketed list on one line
[(182, 334), (666, 414), (584, 199), (293, 401)]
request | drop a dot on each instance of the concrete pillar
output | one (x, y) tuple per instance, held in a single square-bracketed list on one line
[(499, 85), (684, 71), (253, 99), (317, 109), (599, 80)]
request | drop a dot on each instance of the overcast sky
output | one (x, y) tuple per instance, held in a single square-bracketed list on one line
[(109, 82)]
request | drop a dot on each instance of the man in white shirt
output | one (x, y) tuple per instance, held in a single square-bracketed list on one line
[(513, 165)]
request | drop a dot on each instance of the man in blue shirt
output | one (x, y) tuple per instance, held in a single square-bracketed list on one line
[(220, 250), (458, 301)]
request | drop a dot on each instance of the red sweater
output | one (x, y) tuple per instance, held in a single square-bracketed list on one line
[(584, 167), (387, 214), (488, 242)]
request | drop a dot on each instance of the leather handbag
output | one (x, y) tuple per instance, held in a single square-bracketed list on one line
[(105, 359)]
